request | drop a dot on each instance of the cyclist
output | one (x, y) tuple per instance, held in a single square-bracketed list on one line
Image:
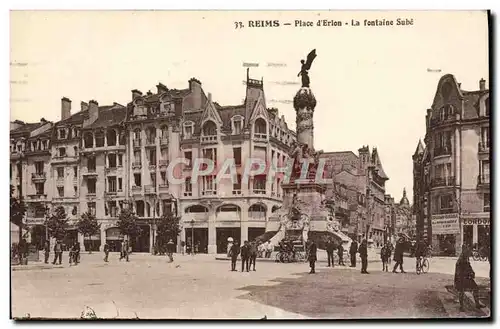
[(420, 252)]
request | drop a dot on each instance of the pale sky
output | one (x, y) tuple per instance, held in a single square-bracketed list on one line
[(372, 84)]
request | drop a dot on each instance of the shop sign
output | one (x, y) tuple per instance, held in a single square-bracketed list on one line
[(445, 224), (35, 221), (476, 221)]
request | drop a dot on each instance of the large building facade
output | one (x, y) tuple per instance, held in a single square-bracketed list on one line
[(452, 170), (104, 158)]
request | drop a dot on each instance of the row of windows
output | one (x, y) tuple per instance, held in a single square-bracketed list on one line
[(447, 203)]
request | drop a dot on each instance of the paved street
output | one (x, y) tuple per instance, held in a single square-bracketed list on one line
[(201, 287)]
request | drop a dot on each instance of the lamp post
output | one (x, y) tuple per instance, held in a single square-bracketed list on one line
[(46, 227), (192, 237)]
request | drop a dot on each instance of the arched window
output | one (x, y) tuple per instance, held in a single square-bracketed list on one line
[(260, 126), (111, 137), (257, 211), (88, 140), (99, 138), (209, 129)]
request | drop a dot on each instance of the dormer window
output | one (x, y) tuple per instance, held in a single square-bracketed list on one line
[(62, 133), (237, 125), (188, 129), (260, 129), (209, 129)]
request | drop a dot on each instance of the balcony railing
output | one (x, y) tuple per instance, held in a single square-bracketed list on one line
[(484, 146), (136, 142), (152, 167), (149, 189), (442, 151), (237, 192), (136, 189), (483, 179), (136, 165), (260, 137), (208, 192), (259, 191), (189, 193), (208, 139), (163, 163), (38, 176), (443, 181), (164, 141), (38, 197)]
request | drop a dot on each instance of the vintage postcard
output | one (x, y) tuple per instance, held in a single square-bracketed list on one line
[(250, 165)]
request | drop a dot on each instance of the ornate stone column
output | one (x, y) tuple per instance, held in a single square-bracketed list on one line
[(304, 103)]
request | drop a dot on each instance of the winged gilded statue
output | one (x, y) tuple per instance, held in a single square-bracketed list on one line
[(306, 65)]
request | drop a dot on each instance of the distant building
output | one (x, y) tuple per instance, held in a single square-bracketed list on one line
[(452, 170), (364, 179)]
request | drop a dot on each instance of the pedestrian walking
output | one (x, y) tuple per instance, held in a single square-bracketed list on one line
[(183, 247), (363, 254), (233, 253), (245, 256), (330, 246), (464, 279), (77, 253), (353, 249), (253, 254), (57, 252), (170, 250), (312, 256), (46, 249), (125, 250), (340, 252), (269, 249), (106, 252), (384, 257), (398, 255)]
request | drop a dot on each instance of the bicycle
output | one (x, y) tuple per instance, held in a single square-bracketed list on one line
[(477, 255), (282, 257), (422, 265)]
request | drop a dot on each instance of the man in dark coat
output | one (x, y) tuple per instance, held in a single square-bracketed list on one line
[(46, 249), (245, 256), (234, 252), (352, 251), (312, 257), (170, 250), (363, 254), (253, 254), (340, 252), (464, 278), (58, 252), (398, 255), (330, 246)]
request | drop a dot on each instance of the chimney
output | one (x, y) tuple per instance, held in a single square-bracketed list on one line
[(209, 96), (459, 85), (161, 88), (65, 108), (136, 93), (196, 93), (93, 110), (482, 84), (84, 106)]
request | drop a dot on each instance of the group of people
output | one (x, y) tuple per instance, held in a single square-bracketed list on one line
[(74, 253), (265, 250), (248, 252), (312, 257)]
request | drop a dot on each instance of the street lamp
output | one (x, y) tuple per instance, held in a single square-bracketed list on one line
[(154, 225), (192, 237), (46, 220)]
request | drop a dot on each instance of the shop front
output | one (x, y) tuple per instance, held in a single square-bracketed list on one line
[(476, 229), (445, 234)]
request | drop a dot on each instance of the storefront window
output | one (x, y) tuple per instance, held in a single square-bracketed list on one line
[(483, 235), (468, 240)]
